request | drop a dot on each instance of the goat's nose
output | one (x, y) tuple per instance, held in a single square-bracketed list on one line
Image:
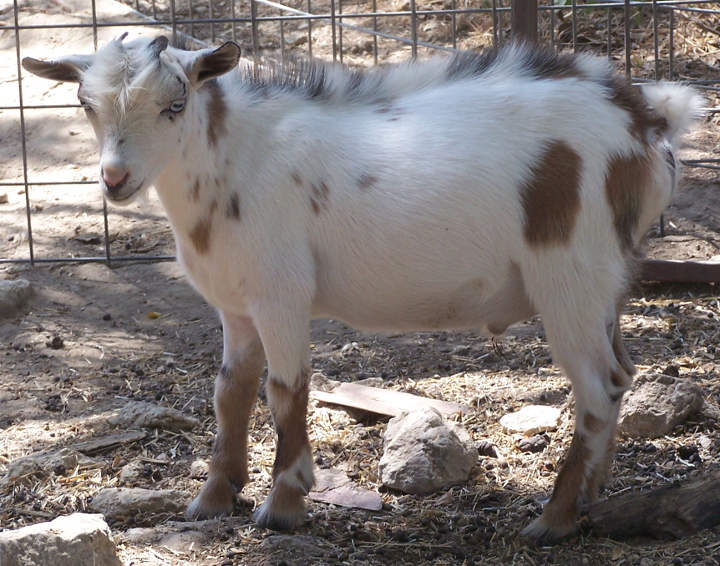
[(114, 177)]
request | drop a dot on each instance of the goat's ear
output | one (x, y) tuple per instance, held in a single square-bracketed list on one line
[(213, 63), (67, 69)]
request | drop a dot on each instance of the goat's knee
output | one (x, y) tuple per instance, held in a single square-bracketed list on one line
[(292, 472)]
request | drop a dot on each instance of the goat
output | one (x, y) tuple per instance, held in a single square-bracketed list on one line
[(465, 192)]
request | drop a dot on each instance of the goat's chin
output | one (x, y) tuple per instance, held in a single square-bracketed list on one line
[(126, 199)]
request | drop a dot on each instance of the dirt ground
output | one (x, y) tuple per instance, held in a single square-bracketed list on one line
[(95, 337)]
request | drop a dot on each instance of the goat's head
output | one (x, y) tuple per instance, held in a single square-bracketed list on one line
[(136, 95)]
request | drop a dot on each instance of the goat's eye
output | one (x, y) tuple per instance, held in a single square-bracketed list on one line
[(85, 105), (177, 106)]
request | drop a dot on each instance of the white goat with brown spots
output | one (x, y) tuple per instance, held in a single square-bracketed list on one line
[(469, 192)]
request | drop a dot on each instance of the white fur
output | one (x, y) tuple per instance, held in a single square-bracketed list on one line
[(435, 241)]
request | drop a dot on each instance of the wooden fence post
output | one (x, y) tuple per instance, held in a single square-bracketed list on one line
[(525, 20)]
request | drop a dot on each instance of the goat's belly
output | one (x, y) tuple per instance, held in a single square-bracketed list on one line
[(404, 307)]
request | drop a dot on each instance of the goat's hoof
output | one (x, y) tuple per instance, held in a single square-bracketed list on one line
[(545, 532), (216, 498), (283, 510)]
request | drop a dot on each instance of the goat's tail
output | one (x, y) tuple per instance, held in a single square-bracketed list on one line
[(679, 104)]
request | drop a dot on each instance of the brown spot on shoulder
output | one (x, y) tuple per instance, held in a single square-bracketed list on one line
[(201, 233), (367, 181), (296, 178), (216, 112), (625, 181), (551, 196), (233, 208)]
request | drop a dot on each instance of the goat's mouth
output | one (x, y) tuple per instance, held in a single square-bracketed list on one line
[(124, 197)]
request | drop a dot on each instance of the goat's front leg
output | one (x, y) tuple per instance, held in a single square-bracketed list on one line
[(285, 335), (236, 388)]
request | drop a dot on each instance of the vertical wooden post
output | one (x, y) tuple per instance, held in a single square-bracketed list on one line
[(525, 20)]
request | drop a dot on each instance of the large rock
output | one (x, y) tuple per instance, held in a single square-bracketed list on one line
[(122, 502), (13, 296), (657, 405), (424, 453), (531, 419), (146, 415), (73, 540)]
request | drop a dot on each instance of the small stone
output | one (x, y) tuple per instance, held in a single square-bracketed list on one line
[(536, 443), (148, 415), (199, 469), (531, 419), (3, 198), (56, 343), (122, 502), (107, 316), (654, 408), (486, 448), (13, 296), (79, 538), (424, 453), (132, 472)]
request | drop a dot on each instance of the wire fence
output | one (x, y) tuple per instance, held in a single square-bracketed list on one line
[(365, 32)]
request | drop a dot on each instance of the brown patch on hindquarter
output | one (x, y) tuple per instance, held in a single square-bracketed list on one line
[(551, 198), (625, 181), (236, 388), (200, 234), (289, 410), (216, 112)]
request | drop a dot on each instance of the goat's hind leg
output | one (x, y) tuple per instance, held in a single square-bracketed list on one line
[(236, 388), (600, 371)]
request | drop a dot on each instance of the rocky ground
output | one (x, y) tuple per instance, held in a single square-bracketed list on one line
[(106, 383)]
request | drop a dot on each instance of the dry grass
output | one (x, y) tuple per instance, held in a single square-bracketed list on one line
[(57, 398)]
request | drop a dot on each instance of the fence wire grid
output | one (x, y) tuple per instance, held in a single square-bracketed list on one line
[(367, 32)]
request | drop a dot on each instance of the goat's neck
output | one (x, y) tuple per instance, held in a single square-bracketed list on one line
[(196, 175)]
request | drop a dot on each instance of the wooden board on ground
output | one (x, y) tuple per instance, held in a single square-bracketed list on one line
[(668, 512), (675, 271), (111, 441), (384, 401)]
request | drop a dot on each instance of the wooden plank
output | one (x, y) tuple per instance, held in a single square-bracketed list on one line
[(675, 271), (674, 511), (384, 401), (525, 20), (109, 442)]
